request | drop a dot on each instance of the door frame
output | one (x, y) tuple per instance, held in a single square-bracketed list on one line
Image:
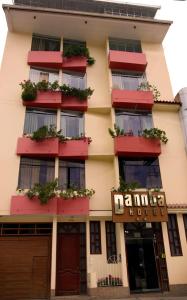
[(80, 228)]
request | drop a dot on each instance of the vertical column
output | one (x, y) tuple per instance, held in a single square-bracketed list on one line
[(121, 250), (53, 256)]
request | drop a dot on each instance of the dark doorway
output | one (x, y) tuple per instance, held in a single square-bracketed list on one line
[(142, 257), (71, 259)]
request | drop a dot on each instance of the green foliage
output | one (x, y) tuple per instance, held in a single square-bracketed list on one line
[(155, 133), (73, 193), (29, 90), (126, 187), (43, 85), (116, 132), (46, 132), (146, 86), (44, 192), (78, 50), (74, 92)]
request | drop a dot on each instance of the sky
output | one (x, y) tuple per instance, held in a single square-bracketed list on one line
[(175, 42)]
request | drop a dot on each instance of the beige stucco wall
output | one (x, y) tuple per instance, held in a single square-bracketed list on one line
[(14, 69), (156, 71), (173, 160), (177, 265)]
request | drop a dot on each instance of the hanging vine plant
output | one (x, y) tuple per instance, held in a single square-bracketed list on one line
[(78, 50)]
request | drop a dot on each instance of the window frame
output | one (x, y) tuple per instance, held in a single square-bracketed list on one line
[(185, 224), (126, 45), (35, 74), (110, 231), (174, 236), (35, 119), (31, 165), (65, 183), (44, 39), (66, 116), (127, 80), (146, 161), (136, 120), (96, 236)]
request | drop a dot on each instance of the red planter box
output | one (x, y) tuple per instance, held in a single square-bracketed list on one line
[(127, 60), (77, 149), (45, 148), (135, 146), (75, 63), (132, 99), (22, 205), (74, 103), (48, 99), (48, 59), (73, 207)]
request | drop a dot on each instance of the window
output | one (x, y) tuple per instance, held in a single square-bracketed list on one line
[(110, 239), (95, 237), (35, 171), (145, 172), (71, 174), (36, 118), (125, 45), (173, 233), (45, 43), (127, 80), (75, 79), (134, 121), (68, 42), (72, 124), (37, 75), (185, 223)]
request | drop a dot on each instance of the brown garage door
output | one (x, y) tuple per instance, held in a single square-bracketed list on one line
[(24, 267)]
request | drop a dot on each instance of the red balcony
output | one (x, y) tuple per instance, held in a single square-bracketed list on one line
[(22, 205), (45, 148), (135, 146), (77, 149), (75, 63), (48, 99), (127, 60), (132, 99), (73, 207), (73, 103), (47, 59)]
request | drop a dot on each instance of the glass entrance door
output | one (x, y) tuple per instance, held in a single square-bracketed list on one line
[(142, 270), (141, 258)]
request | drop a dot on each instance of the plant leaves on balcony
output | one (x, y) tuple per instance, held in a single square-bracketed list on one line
[(29, 90), (125, 187), (78, 50)]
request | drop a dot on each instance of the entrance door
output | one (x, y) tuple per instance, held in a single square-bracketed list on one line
[(71, 259), (142, 269)]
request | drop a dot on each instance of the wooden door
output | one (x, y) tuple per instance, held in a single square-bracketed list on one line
[(160, 257), (24, 267), (68, 264)]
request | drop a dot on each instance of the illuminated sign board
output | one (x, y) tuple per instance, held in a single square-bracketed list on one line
[(139, 207)]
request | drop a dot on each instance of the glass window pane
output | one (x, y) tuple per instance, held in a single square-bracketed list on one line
[(72, 124), (36, 118), (35, 171), (71, 174)]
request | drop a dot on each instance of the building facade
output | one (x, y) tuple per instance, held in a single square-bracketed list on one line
[(94, 82)]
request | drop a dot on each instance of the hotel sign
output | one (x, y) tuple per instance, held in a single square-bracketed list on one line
[(139, 207)]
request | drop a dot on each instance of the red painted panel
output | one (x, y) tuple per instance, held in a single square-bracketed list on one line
[(127, 60), (76, 63), (48, 99), (75, 206), (48, 59), (22, 205), (74, 103), (132, 99), (45, 148), (135, 146), (77, 149)]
